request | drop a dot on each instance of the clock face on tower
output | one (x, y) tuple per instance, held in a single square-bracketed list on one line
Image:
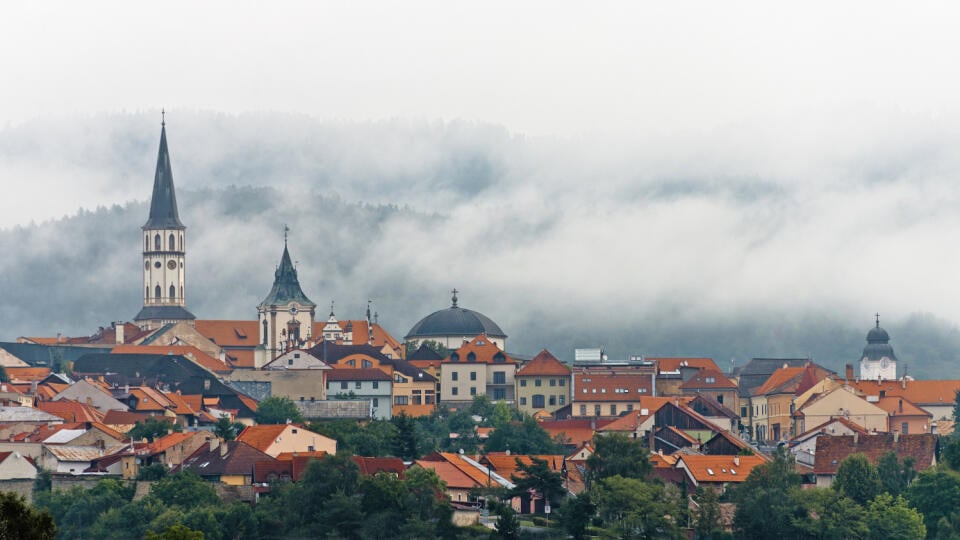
[(172, 264), (157, 264)]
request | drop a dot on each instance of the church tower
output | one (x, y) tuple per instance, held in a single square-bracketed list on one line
[(164, 251), (878, 361), (286, 315)]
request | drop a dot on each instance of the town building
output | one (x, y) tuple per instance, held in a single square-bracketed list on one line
[(543, 383), (479, 367)]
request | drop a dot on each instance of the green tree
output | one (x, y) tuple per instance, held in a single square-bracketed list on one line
[(482, 407), (539, 477), (895, 475), (616, 454), (278, 410), (634, 508), (20, 521), (892, 519), (766, 501), (185, 490), (508, 524), (829, 514), (406, 438), (77, 509), (707, 517), (524, 437), (576, 514), (857, 478), (501, 414), (153, 428), (935, 494), (155, 471), (176, 532), (227, 429)]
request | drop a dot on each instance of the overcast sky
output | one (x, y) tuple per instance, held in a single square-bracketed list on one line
[(819, 143)]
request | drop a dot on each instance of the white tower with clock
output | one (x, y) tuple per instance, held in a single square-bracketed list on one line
[(878, 361), (164, 251), (286, 315)]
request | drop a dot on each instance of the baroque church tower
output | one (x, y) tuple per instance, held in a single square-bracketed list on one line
[(878, 363), (286, 315), (164, 251)]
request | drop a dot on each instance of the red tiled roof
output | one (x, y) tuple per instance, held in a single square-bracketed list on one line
[(229, 333), (544, 364), (708, 378), (124, 418), (596, 385), (674, 364), (719, 468), (27, 374), (833, 449), (900, 406), (820, 428), (71, 411), (575, 431), (925, 392), (370, 466), (506, 464), (261, 436), (483, 350), (452, 476), (149, 399), (167, 441)]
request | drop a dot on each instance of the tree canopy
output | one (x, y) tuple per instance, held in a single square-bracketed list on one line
[(278, 410)]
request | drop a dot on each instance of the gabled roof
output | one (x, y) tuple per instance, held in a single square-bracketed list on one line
[(27, 374), (48, 355), (124, 418), (238, 459), (629, 422), (81, 453), (821, 429), (833, 449), (921, 392), (370, 466), (506, 464), (575, 431), (424, 353), (228, 333), (167, 441), (901, 406), (719, 468), (708, 378), (148, 399), (755, 372), (187, 351), (262, 436), (71, 411), (453, 477), (599, 384), (544, 364), (706, 405)]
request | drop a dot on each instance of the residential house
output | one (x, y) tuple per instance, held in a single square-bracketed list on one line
[(15, 466), (478, 367), (543, 383), (716, 472), (274, 439), (833, 449), (772, 403), (715, 412), (296, 374), (934, 396), (73, 459), (804, 446), (713, 384), (368, 384), (227, 462), (841, 402), (673, 372), (603, 390), (461, 487), (91, 393), (904, 416), (170, 451)]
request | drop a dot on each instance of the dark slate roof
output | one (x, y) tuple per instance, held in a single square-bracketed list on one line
[(238, 459), (286, 286), (455, 321), (164, 313), (758, 370), (163, 204), (330, 352), (47, 355), (878, 344)]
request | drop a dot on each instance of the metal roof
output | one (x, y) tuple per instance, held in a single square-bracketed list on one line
[(163, 204)]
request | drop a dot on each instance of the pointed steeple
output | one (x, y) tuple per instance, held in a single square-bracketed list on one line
[(163, 205), (286, 286)]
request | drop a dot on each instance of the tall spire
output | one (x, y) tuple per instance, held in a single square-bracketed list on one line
[(286, 286), (163, 204)]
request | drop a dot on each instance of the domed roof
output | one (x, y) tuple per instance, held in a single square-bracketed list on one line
[(455, 321), (878, 344)]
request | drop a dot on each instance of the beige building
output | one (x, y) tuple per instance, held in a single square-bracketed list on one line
[(477, 368), (543, 384), (274, 439), (841, 402)]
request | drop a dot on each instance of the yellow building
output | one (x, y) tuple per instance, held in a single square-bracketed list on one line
[(543, 384)]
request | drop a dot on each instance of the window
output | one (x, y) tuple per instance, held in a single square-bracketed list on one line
[(583, 410), (499, 358), (172, 244), (523, 401), (613, 409), (473, 390), (563, 382), (596, 410), (905, 428), (366, 364), (376, 402), (499, 394), (417, 400), (499, 377), (358, 385), (629, 407), (538, 382), (289, 361), (343, 385), (454, 391), (553, 382), (538, 401), (720, 400), (156, 243), (553, 400), (400, 400), (173, 291), (157, 292), (473, 375), (453, 375), (471, 357), (563, 400), (454, 357), (376, 384), (523, 383)]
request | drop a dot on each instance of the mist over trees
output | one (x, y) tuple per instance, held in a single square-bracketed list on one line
[(562, 244)]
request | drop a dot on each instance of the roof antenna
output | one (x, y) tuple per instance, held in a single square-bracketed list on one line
[(454, 291)]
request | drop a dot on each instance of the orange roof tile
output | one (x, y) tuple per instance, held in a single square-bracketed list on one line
[(661, 461), (71, 411), (474, 473), (708, 378), (920, 392), (544, 364), (600, 385), (241, 358), (674, 364), (229, 333), (149, 399), (180, 405), (453, 477), (27, 374), (719, 468), (506, 464), (900, 406), (167, 441), (779, 378), (261, 436), (482, 350)]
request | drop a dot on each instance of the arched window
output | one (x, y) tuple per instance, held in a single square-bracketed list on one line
[(146, 292), (173, 243), (181, 292), (181, 242), (156, 243), (173, 292), (157, 292), (264, 330), (499, 357), (146, 242), (454, 357), (471, 357)]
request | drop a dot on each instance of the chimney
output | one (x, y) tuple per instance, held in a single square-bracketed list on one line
[(119, 332), (214, 442), (849, 372), (901, 405), (903, 382), (736, 460), (856, 437), (896, 437), (223, 449)]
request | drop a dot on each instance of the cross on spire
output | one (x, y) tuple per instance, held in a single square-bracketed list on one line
[(285, 231), (877, 315), (163, 118), (454, 292)]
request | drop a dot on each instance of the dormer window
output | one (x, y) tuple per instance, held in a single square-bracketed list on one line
[(454, 357), (471, 357), (499, 358)]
